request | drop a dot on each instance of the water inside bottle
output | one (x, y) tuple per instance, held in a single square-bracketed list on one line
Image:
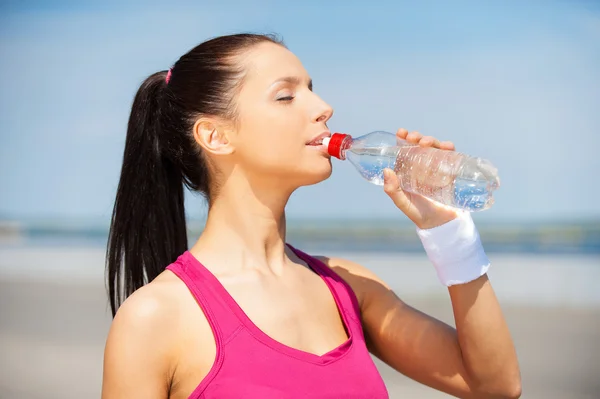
[(435, 178), (372, 161), (475, 184), (472, 195)]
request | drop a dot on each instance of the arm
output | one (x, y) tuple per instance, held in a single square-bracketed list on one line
[(138, 355), (477, 360)]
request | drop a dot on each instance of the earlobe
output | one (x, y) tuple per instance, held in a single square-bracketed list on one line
[(212, 137)]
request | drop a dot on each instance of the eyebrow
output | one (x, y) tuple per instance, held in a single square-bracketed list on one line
[(295, 80)]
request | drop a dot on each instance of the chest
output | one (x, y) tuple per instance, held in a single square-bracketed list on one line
[(298, 310)]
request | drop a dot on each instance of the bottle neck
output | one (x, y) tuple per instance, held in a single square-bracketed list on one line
[(338, 144)]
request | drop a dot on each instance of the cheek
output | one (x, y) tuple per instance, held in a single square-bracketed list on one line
[(274, 152), (270, 140)]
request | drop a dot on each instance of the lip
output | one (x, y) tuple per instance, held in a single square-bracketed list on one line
[(318, 140)]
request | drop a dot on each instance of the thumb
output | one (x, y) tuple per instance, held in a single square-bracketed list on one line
[(391, 186)]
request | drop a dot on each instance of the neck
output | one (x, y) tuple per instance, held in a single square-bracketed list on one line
[(246, 228)]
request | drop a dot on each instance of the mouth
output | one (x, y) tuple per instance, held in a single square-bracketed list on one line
[(318, 140)]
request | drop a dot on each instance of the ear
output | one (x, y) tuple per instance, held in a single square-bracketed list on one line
[(212, 137)]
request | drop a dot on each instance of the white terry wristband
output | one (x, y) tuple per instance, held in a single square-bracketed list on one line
[(455, 250)]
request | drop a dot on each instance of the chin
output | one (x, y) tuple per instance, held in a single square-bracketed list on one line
[(317, 173)]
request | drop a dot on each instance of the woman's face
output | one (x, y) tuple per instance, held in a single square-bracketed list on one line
[(278, 116)]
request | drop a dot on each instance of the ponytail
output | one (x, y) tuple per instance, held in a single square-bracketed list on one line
[(148, 230)]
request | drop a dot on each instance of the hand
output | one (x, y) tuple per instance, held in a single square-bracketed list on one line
[(423, 212)]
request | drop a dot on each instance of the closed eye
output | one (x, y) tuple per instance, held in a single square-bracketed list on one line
[(287, 98)]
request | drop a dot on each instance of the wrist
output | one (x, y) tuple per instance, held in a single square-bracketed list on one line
[(440, 217), (455, 250)]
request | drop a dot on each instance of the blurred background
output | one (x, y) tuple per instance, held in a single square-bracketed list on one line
[(516, 82)]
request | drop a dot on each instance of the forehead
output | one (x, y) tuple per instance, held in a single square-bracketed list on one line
[(268, 62)]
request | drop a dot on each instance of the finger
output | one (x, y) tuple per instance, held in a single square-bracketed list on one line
[(391, 186), (402, 133), (428, 141), (390, 181), (447, 145), (414, 137)]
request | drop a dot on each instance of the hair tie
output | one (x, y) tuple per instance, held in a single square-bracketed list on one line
[(169, 75)]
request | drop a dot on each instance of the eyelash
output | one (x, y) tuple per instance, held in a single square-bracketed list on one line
[(286, 99)]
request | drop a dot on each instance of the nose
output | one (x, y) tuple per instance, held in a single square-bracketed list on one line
[(324, 113)]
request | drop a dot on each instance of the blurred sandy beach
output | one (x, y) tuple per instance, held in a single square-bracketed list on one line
[(54, 317)]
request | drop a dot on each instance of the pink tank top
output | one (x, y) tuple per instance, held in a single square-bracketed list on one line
[(250, 364)]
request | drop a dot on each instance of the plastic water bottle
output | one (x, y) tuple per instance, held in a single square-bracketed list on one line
[(447, 177)]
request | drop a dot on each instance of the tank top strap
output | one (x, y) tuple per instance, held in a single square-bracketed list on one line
[(205, 288), (346, 298)]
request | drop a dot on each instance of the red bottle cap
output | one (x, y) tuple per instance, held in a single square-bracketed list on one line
[(335, 144)]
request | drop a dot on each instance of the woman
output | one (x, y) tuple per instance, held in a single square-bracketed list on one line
[(242, 313)]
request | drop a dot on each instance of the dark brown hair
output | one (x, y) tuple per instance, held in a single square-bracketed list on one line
[(148, 227)]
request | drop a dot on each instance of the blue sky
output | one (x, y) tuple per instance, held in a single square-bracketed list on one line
[(516, 83)]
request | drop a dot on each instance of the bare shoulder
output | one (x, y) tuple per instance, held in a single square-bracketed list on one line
[(141, 345), (367, 286), (151, 306)]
